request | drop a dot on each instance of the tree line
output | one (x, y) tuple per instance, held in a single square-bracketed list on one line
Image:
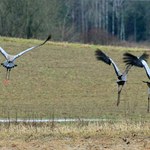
[(87, 21)]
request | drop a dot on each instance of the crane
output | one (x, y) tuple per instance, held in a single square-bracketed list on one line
[(122, 77), (141, 62), (9, 63)]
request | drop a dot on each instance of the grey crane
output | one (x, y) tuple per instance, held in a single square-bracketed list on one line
[(122, 77), (9, 63), (141, 62)]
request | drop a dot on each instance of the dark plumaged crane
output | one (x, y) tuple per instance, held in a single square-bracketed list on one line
[(141, 61), (9, 63), (122, 77)]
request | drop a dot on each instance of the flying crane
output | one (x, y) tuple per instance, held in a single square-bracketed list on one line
[(122, 77), (9, 63), (141, 62)]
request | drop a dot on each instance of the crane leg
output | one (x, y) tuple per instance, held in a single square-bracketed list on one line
[(148, 103), (148, 109), (7, 74), (119, 92)]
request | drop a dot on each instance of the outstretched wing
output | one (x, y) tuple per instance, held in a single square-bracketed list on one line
[(23, 52), (130, 59), (103, 57), (3, 52)]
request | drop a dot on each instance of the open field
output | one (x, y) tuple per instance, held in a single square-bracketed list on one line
[(62, 80)]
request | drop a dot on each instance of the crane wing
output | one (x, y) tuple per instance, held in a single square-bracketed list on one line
[(23, 52), (117, 71), (3, 52), (103, 57), (130, 59), (146, 67)]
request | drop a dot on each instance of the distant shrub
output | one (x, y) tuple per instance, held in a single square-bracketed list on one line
[(99, 36)]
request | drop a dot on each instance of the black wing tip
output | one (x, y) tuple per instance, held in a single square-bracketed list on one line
[(129, 59), (98, 52), (49, 37), (144, 56), (100, 55), (128, 55), (146, 82)]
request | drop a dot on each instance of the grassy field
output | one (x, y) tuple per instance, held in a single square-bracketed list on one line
[(65, 80)]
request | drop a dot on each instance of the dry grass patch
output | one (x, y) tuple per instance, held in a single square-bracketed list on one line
[(74, 130), (77, 136)]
